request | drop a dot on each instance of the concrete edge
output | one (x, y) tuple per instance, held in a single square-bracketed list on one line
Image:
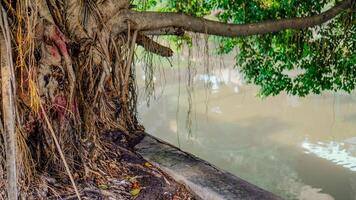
[(205, 180)]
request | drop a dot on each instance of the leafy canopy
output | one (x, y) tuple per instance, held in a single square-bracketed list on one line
[(298, 62)]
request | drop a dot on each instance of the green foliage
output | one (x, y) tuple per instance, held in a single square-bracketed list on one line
[(297, 62), (144, 4)]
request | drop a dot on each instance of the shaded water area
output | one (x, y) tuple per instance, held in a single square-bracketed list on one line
[(297, 148)]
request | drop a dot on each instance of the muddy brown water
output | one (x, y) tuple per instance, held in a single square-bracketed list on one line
[(297, 148)]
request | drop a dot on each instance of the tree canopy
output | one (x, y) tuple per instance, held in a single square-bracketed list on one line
[(299, 62)]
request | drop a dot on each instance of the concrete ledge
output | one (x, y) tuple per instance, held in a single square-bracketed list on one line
[(205, 181)]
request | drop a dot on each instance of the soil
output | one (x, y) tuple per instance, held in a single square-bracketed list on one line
[(126, 176)]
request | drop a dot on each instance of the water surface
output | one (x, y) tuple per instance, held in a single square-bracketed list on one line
[(298, 148)]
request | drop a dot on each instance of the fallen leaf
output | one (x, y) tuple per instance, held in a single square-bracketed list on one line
[(147, 164), (103, 187), (135, 192)]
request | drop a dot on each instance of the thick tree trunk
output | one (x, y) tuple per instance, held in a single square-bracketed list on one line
[(75, 83)]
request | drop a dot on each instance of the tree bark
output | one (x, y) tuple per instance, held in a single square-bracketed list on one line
[(148, 21), (8, 106)]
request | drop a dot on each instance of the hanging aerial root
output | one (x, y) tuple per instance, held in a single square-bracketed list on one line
[(8, 99)]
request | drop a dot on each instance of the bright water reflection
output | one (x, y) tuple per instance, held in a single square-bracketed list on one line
[(335, 152), (298, 148)]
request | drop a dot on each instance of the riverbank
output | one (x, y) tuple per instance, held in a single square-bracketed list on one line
[(153, 170)]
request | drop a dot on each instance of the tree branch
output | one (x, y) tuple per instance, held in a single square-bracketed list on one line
[(148, 21), (153, 46), (165, 31)]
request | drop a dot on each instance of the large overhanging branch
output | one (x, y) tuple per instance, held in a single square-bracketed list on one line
[(149, 21)]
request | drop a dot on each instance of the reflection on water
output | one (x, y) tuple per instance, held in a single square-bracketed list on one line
[(226, 77), (335, 152), (298, 148)]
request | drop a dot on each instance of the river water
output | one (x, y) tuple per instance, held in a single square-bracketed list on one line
[(297, 148)]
